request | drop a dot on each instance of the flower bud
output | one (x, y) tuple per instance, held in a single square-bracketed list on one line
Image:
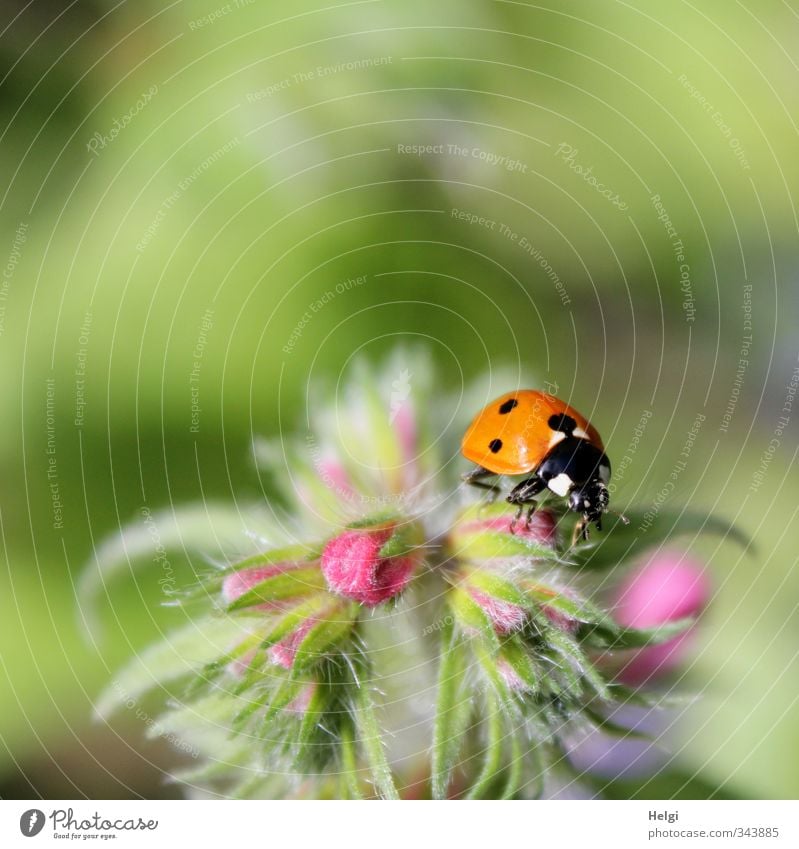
[(505, 616), (671, 586), (355, 566)]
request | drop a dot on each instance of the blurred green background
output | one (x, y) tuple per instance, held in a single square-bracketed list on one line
[(181, 183)]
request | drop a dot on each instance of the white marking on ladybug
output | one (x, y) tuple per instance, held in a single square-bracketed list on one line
[(556, 437), (604, 473), (579, 433), (560, 484)]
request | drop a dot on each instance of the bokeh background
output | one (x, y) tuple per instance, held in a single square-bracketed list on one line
[(600, 194)]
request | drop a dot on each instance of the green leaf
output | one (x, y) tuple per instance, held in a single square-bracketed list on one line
[(517, 656), (453, 709), (620, 542), (515, 766), (293, 618), (404, 540), (495, 545), (492, 763), (186, 652), (471, 617), (579, 610), (613, 729), (492, 585), (287, 554), (371, 740), (323, 636), (613, 637), (293, 583), (570, 650), (349, 768)]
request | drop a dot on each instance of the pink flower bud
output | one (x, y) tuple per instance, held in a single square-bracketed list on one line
[(353, 567), (504, 615), (671, 586)]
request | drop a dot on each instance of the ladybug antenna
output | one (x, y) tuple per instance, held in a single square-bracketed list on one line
[(623, 518)]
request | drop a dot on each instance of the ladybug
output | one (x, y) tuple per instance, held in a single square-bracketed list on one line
[(532, 433)]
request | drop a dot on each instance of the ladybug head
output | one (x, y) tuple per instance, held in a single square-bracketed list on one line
[(591, 500)]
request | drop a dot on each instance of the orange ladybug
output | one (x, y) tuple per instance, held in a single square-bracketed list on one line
[(532, 433)]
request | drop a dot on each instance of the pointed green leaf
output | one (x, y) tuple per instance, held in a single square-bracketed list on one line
[(517, 656), (495, 545), (607, 637), (299, 554), (579, 610), (492, 761), (453, 709), (371, 740), (349, 767), (471, 617), (293, 583), (620, 542), (324, 635), (495, 586)]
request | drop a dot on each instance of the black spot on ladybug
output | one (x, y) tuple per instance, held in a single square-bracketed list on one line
[(508, 406), (562, 423), (495, 445)]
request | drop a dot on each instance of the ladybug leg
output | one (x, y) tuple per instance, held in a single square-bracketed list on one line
[(516, 518), (524, 494), (473, 479), (580, 532)]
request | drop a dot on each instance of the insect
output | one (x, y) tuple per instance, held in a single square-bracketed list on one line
[(532, 433)]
